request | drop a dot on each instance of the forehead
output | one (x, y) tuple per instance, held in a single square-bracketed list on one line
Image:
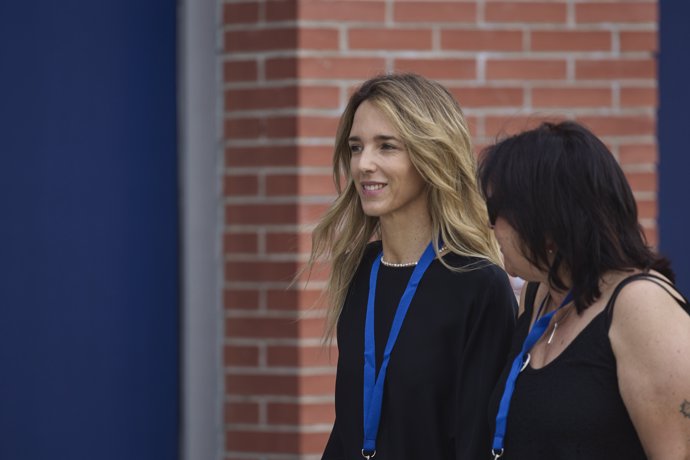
[(371, 120)]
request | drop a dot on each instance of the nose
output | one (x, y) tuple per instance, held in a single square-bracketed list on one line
[(367, 161)]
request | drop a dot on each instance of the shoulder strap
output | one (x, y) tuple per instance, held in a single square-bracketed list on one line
[(659, 281)]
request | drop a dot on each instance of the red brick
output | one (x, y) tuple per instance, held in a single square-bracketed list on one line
[(638, 97), (275, 442), (302, 185), (304, 126), (300, 414), (312, 126), (235, 355), (241, 412), (630, 12), (637, 154), (281, 68), (639, 41), (318, 39), (281, 10), (273, 213), (318, 273), (621, 125), (240, 13), (259, 271), (570, 41), (275, 328), (240, 243), (315, 155), (642, 181), (280, 385), (481, 40), (342, 10), (324, 68), (240, 185), (472, 124), (319, 97), (281, 127), (293, 299), (651, 235), (286, 242), (525, 69), (238, 71), (434, 11), (389, 39), (526, 12), (568, 97), (279, 328), (604, 69), (647, 209), (261, 156), (498, 126), (488, 97), (243, 128), (296, 356), (439, 69), (241, 299), (260, 40), (261, 98)]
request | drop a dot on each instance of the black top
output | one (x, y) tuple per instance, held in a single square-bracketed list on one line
[(571, 408), (447, 359)]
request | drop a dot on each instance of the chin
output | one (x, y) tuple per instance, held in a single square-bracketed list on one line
[(372, 212)]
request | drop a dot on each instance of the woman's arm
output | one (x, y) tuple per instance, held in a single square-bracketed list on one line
[(333, 450), (650, 336), (484, 355)]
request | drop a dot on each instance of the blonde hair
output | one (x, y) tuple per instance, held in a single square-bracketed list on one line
[(430, 123)]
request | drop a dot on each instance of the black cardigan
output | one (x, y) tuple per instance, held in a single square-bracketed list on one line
[(447, 359)]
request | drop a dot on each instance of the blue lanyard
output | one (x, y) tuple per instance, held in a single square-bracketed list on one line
[(373, 386), (518, 365)]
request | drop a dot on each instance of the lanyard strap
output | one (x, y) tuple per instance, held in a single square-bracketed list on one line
[(518, 364), (373, 385)]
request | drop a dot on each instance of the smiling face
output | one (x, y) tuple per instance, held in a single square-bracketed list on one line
[(388, 184)]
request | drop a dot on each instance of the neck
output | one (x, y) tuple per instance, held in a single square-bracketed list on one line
[(405, 243), (557, 297)]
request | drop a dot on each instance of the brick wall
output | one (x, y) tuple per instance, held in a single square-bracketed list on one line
[(288, 67)]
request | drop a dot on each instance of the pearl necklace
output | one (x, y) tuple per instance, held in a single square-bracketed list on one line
[(407, 264)]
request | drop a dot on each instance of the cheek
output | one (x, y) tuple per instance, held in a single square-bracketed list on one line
[(354, 165)]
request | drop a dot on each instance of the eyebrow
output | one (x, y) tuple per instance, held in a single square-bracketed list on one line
[(380, 137)]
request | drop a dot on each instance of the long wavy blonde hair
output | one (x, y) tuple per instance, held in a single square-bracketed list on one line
[(432, 126)]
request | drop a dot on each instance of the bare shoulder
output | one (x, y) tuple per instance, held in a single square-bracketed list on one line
[(650, 337), (646, 302), (647, 319)]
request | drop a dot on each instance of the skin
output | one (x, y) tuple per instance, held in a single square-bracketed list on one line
[(650, 338), (389, 185)]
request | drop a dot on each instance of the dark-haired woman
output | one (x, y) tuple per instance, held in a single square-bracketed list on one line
[(600, 365)]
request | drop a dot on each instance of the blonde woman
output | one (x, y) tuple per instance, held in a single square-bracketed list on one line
[(422, 311)]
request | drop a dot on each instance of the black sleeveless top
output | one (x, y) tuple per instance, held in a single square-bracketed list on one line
[(571, 408)]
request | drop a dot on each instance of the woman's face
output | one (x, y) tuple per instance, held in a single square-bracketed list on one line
[(387, 182), (516, 264)]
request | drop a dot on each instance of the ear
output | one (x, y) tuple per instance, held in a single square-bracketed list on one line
[(551, 248)]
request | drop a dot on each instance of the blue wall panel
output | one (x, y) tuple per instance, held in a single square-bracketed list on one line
[(674, 125), (88, 231)]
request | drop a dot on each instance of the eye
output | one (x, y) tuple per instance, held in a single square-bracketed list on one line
[(387, 146), (355, 148)]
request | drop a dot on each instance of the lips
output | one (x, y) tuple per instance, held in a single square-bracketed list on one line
[(372, 187)]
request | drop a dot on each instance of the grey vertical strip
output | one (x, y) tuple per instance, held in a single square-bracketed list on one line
[(201, 219)]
